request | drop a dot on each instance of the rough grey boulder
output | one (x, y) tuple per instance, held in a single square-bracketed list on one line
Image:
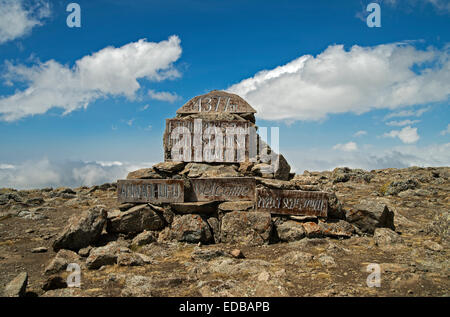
[(60, 261), (190, 228), (82, 230), (385, 236), (17, 287), (106, 255), (252, 228), (135, 220), (370, 214), (290, 231)]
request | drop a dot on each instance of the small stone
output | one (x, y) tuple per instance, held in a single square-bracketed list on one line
[(433, 246), (236, 253), (84, 252), (39, 250), (54, 282), (385, 236), (29, 231), (17, 287)]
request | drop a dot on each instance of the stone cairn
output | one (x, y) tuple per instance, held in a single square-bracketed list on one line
[(243, 192), (220, 182)]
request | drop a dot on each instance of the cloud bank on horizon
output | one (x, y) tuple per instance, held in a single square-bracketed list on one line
[(358, 80)]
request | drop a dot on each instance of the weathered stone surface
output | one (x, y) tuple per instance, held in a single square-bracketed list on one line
[(206, 254), (337, 229), (290, 231), (214, 225), (85, 252), (106, 255), (207, 207), (252, 228), (144, 173), (169, 167), (326, 260), (145, 237), (190, 228), (396, 187), (222, 189), (433, 246), (82, 230), (276, 183), (194, 170), (54, 282), (129, 259), (371, 214), (237, 254), (216, 101), (135, 220), (296, 258), (60, 261), (236, 206), (39, 250), (283, 170), (292, 202), (312, 230), (385, 236), (17, 287), (150, 190)]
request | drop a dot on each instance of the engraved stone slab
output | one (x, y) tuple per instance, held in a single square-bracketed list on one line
[(292, 202), (197, 140), (222, 189), (216, 101), (150, 190)]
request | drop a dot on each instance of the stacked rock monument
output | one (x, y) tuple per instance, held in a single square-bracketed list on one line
[(220, 182)]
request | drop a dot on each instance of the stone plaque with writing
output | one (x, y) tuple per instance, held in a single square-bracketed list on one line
[(292, 202), (216, 101), (150, 190), (222, 189), (197, 140)]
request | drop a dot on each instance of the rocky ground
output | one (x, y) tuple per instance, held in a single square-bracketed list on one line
[(413, 258)]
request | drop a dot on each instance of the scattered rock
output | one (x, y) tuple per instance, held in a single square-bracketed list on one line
[(145, 237), (39, 250), (60, 261), (385, 236), (82, 230), (433, 246), (371, 214), (169, 167), (253, 228), (144, 173), (84, 252), (296, 258), (326, 260), (17, 287), (236, 206), (106, 255), (135, 220), (237, 254), (54, 282), (206, 254), (290, 231), (190, 228)]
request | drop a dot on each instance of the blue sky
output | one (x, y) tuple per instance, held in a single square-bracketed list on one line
[(80, 106)]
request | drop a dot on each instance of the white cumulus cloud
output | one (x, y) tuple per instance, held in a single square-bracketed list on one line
[(347, 147), (407, 135), (163, 96), (356, 80), (401, 123), (360, 133), (446, 131), (18, 18), (108, 72)]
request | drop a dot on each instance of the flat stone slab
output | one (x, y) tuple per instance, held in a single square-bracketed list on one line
[(197, 140), (194, 207), (292, 202), (150, 190), (222, 189)]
